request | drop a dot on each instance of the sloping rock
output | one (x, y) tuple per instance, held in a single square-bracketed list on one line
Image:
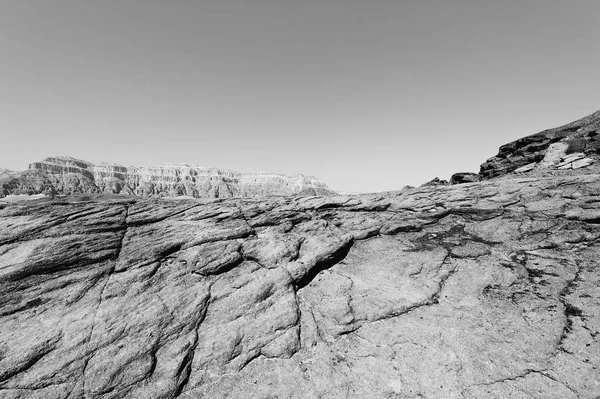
[(576, 164), (66, 175), (484, 290), (527, 168), (436, 181), (546, 148)]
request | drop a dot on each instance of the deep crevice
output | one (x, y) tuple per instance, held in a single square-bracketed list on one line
[(185, 367), (331, 260)]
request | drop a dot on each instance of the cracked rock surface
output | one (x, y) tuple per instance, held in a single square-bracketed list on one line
[(477, 290)]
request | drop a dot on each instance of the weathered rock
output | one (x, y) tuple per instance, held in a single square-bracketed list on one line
[(527, 168), (464, 177), (546, 148), (572, 157), (66, 175), (485, 290), (554, 153), (436, 181), (582, 163)]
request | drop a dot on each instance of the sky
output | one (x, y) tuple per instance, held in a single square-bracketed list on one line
[(366, 95)]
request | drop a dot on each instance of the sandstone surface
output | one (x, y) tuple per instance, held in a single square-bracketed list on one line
[(66, 175), (475, 290)]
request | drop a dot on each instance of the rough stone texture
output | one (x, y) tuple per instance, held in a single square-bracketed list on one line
[(580, 163), (483, 290), (547, 148), (464, 177), (554, 153), (66, 175), (436, 181), (527, 168)]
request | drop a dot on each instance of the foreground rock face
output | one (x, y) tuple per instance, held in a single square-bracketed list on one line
[(479, 290), (65, 175), (552, 148)]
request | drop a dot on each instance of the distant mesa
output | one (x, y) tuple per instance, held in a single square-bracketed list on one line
[(67, 176)]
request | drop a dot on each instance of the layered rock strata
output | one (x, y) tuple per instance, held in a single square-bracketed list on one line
[(65, 175), (544, 150), (464, 177), (482, 290)]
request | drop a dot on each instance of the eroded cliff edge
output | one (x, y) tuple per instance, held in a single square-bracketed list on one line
[(468, 291), (571, 146)]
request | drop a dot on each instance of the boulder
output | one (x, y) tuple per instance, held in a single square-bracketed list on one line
[(464, 177)]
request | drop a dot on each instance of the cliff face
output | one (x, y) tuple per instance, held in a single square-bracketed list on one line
[(571, 146), (65, 175)]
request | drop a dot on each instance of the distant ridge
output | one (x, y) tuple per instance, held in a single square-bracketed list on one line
[(68, 175)]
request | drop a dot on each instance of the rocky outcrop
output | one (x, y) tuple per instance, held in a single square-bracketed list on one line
[(548, 149), (464, 177), (66, 175), (484, 290), (436, 181)]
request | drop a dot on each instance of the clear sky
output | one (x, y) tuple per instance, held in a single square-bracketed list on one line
[(366, 95)]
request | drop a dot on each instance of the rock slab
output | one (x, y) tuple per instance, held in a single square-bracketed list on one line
[(482, 290)]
